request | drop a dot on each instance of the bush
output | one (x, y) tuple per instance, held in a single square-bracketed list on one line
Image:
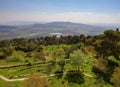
[(2, 55), (102, 64), (115, 79), (16, 57), (40, 55), (37, 80)]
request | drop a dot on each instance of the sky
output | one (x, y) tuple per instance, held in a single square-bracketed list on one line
[(79, 11)]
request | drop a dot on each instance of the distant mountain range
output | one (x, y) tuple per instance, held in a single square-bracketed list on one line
[(66, 28)]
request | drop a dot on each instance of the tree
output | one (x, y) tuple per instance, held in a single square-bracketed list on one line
[(37, 80), (109, 44), (2, 55), (4, 43), (78, 59), (69, 49), (31, 46), (115, 79), (101, 64), (117, 29), (82, 38), (80, 45), (89, 50), (40, 55), (8, 50), (17, 56)]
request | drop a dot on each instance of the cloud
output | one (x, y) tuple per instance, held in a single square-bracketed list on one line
[(80, 17)]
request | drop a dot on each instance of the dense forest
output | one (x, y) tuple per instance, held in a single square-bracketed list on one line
[(76, 61)]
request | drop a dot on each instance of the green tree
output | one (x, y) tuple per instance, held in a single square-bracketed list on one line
[(8, 50), (69, 49), (115, 79), (31, 46), (109, 44), (2, 55), (101, 64), (4, 43), (17, 56), (78, 59), (40, 55)]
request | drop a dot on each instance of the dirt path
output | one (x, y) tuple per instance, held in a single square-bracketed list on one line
[(6, 79), (87, 75), (21, 79)]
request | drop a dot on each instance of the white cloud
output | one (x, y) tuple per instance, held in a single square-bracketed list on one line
[(80, 17)]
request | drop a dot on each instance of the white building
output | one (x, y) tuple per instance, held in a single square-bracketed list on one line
[(56, 34)]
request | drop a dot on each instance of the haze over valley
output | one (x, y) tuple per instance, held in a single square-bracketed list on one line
[(44, 29)]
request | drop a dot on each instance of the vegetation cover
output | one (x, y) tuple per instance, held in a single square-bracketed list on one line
[(67, 61)]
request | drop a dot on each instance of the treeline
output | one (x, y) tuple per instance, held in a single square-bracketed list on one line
[(109, 38), (44, 40), (28, 45)]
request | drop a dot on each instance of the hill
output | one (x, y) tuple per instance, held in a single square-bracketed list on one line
[(66, 28)]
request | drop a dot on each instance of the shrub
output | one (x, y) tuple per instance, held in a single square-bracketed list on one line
[(16, 57), (115, 79), (37, 80), (40, 55)]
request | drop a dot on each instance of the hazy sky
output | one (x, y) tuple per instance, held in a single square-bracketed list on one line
[(82, 11)]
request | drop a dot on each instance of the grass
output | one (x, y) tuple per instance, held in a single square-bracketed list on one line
[(3, 62), (55, 81), (10, 84), (21, 70)]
